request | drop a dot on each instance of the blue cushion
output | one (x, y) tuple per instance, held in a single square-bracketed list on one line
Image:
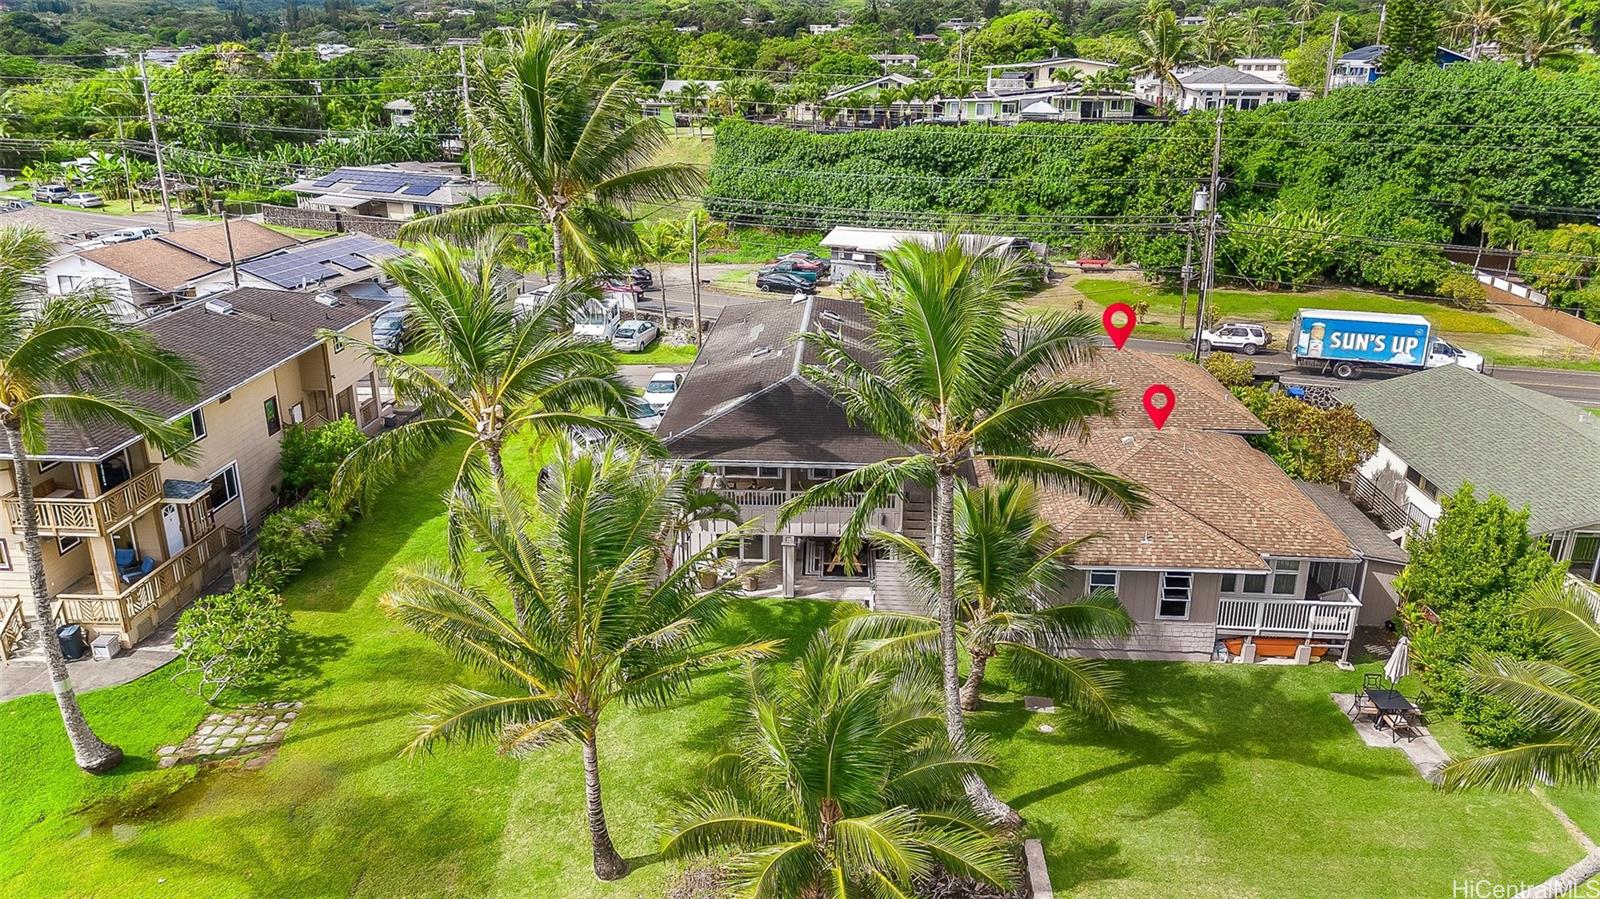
[(148, 566), (126, 558)]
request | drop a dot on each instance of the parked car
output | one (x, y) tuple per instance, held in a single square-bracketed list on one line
[(1241, 337), (596, 321), (14, 205), (389, 331), (808, 262), (785, 282), (638, 276), (526, 303), (85, 200), (805, 256), (51, 193), (643, 414), (789, 266), (662, 388), (124, 235), (634, 336)]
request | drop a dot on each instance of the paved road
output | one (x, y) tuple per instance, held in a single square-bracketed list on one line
[(66, 224)]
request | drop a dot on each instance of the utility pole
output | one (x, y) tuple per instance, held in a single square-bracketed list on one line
[(694, 271), (472, 167), (1333, 53), (227, 234), (155, 141), (1195, 206), (1383, 13), (1208, 261)]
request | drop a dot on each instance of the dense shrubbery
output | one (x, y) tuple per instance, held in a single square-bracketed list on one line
[(295, 535), (1461, 592), (311, 455), (1308, 442), (232, 639)]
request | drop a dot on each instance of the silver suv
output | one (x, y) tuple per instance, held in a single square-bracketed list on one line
[(51, 193)]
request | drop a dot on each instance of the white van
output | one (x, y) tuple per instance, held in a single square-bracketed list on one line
[(596, 320)]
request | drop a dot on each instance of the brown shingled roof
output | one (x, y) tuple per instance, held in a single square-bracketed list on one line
[(211, 242), (1216, 504), (152, 263), (1202, 404)]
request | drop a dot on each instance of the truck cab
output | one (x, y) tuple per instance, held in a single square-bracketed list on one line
[(1443, 353)]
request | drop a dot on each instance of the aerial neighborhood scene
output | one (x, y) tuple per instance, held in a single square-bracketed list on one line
[(939, 449)]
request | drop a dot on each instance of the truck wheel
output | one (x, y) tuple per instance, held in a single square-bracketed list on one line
[(1250, 349), (1205, 346), (1346, 371)]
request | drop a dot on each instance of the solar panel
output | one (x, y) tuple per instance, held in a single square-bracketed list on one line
[(351, 262), (421, 190)]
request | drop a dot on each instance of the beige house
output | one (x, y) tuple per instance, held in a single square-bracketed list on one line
[(130, 536)]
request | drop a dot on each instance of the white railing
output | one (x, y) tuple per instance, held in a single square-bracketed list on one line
[(11, 624), (1330, 615), (826, 520)]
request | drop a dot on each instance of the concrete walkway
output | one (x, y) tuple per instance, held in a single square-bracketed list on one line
[(1423, 751), (27, 673)]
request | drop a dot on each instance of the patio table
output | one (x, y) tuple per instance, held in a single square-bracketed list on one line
[(1389, 703)]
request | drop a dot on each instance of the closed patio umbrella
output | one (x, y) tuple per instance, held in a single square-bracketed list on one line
[(1399, 664)]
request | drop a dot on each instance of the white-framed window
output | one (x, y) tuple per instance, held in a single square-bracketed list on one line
[(752, 471), (65, 545), (753, 548), (197, 424), (819, 473), (1284, 580), (1097, 579), (1286, 576), (224, 486), (67, 283), (5, 556), (1177, 589)]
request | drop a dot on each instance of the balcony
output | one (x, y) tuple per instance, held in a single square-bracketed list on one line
[(11, 625), (1330, 617), (818, 521), (74, 516), (138, 610)]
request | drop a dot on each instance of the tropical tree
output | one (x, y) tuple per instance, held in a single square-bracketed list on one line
[(482, 369), (598, 623), (1476, 20), (841, 783), (1557, 695), (1218, 37), (1011, 570), (1479, 211), (1255, 24), (68, 360), (963, 379), (558, 130), (1162, 47), (693, 94), (1107, 80), (1510, 234), (1540, 31), (1303, 12)]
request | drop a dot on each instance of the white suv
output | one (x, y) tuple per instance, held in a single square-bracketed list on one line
[(1245, 338)]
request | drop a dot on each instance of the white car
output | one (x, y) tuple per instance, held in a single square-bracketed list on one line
[(662, 388), (643, 414), (634, 336), (1244, 338), (124, 235), (84, 200), (1445, 354)]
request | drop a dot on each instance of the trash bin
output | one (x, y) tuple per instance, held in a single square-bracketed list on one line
[(73, 646)]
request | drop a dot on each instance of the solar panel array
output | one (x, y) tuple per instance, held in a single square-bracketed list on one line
[(314, 263), (410, 184)]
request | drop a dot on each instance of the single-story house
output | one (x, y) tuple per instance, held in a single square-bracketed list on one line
[(1364, 65), (1446, 426), (853, 250), (393, 190), (1045, 104), (327, 264), (1215, 86)]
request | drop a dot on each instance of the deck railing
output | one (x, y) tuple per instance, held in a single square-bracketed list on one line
[(11, 625), (1331, 615), (80, 516), (826, 520), (1389, 511), (148, 597)]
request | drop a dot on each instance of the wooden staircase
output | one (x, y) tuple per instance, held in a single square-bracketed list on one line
[(892, 590)]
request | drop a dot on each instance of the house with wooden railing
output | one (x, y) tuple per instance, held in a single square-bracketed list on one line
[(128, 535)]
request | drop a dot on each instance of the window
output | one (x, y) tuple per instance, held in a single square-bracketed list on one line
[(1283, 581), (1421, 483), (1101, 579), (65, 545), (66, 283), (1285, 576), (5, 556), (197, 424), (752, 471), (1176, 589), (825, 474), (270, 408), (753, 548), (297, 413), (224, 486)]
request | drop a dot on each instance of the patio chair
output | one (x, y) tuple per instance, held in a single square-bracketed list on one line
[(133, 575), (1409, 722), (1424, 705), (1361, 705)]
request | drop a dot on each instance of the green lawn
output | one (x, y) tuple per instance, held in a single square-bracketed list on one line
[(1229, 780), (661, 354)]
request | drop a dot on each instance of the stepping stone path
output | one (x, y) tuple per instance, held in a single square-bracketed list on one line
[(252, 731)]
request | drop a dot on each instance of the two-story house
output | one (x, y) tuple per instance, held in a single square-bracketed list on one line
[(1232, 558), (1055, 70), (130, 535), (1446, 426), (1364, 65)]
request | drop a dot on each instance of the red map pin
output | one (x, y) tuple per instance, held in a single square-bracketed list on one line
[(1158, 413), (1118, 333)]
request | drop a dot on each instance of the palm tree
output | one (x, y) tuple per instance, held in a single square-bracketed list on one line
[(1478, 211), (1254, 26), (1153, 11), (693, 93), (482, 370), (599, 624), (1162, 48), (1218, 37), (1509, 234), (555, 126), (1557, 694), (1303, 11), (1478, 19), (1010, 569), (1107, 80), (841, 784), (963, 379), (70, 361), (1541, 31)]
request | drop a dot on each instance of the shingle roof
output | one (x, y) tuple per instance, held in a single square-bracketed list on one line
[(1363, 533), (152, 263), (1452, 425), (1225, 75), (211, 242), (1200, 402), (1216, 504), (265, 329)]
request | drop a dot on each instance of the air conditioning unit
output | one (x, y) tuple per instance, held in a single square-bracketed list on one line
[(220, 307), (329, 300)]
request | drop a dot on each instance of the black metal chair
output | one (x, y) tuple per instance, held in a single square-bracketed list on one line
[(1424, 705), (1407, 722)]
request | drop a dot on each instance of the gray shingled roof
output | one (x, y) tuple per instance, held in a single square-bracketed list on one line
[(265, 329), (1452, 424), (1363, 533), (1225, 75)]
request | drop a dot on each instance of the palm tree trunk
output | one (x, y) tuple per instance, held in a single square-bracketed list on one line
[(1567, 882), (92, 754), (608, 865), (972, 689), (944, 558), (558, 251)]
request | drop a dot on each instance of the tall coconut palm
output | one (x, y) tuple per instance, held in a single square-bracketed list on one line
[(70, 361), (962, 379), (1161, 47), (841, 784), (556, 126), (1218, 37), (1011, 571), (600, 624), (1478, 211), (1558, 695), (482, 370), (1303, 12), (1540, 31), (1254, 26), (1510, 234), (1477, 20)]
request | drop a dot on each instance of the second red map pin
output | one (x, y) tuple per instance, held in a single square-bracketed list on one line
[(1119, 321), (1158, 412)]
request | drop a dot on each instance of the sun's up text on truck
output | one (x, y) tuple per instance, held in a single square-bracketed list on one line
[(1347, 344)]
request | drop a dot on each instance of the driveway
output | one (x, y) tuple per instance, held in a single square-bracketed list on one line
[(66, 225)]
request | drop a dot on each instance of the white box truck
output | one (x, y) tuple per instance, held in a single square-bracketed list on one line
[(1349, 343)]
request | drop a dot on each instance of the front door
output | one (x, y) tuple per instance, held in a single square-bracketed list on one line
[(174, 529)]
